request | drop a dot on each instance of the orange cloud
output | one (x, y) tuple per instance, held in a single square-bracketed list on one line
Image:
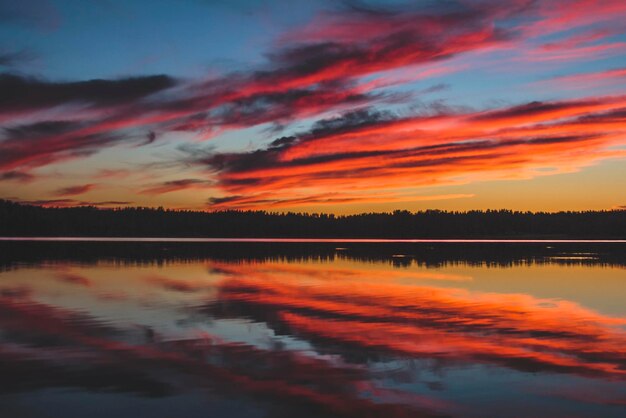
[(371, 156), (336, 307)]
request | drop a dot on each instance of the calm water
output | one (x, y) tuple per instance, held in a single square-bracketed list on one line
[(352, 329)]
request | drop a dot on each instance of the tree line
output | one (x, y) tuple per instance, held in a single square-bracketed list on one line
[(27, 220)]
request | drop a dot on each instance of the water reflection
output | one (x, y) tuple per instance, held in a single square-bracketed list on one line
[(312, 332)]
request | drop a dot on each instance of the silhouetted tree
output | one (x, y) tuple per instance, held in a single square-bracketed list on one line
[(26, 220)]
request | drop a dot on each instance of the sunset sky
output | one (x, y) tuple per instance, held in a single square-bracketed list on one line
[(317, 106)]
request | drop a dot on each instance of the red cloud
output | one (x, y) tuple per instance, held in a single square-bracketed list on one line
[(366, 311), (342, 61), (359, 155)]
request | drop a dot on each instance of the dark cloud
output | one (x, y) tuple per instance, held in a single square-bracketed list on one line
[(241, 162), (175, 185), (221, 200), (35, 13), (50, 202), (26, 93), (11, 59), (74, 190), (43, 143), (39, 129), (108, 203), (532, 109), (396, 37), (612, 116), (73, 202), (238, 101), (435, 89), (150, 138), (16, 176), (350, 121), (282, 106)]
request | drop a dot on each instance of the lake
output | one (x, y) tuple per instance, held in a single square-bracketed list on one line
[(312, 329)]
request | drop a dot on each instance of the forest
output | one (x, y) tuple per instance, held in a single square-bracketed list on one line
[(27, 220)]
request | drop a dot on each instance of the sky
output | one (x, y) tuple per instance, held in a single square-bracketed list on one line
[(314, 106)]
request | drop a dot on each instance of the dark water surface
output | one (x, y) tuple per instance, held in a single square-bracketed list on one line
[(312, 329)]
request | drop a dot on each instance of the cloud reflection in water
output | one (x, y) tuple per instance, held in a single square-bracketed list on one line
[(306, 338)]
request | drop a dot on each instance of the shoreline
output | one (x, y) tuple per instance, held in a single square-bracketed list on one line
[(310, 240)]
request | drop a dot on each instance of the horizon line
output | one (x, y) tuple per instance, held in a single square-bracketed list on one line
[(309, 240)]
